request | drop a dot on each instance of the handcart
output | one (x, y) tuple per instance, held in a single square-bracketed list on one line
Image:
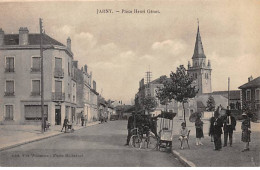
[(70, 128), (165, 129)]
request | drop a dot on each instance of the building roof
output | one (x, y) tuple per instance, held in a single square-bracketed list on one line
[(234, 94), (251, 84), (198, 49), (34, 39), (160, 80)]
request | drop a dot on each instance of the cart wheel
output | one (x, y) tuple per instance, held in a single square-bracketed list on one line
[(135, 141), (152, 142)]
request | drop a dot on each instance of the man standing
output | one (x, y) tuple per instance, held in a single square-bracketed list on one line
[(82, 120), (229, 127), (130, 126), (65, 124), (216, 125)]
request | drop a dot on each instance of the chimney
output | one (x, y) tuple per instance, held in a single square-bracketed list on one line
[(250, 78), (23, 36), (85, 68), (69, 43), (75, 64), (2, 36)]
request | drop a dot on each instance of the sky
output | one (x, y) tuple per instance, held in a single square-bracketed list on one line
[(120, 47)]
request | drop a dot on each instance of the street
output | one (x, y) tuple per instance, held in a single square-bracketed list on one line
[(95, 146)]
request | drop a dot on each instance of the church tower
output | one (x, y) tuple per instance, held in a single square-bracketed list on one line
[(200, 70)]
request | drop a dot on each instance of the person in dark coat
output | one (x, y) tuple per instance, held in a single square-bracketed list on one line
[(130, 126), (229, 127), (65, 124), (82, 120), (216, 125), (199, 130), (246, 131)]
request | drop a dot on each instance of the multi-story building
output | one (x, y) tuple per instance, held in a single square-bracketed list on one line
[(20, 79), (251, 95), (151, 89), (86, 94)]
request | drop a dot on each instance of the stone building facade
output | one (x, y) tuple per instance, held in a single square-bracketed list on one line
[(87, 96), (20, 78)]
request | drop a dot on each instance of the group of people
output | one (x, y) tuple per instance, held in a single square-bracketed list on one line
[(228, 123)]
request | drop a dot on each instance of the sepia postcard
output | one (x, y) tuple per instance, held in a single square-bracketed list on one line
[(151, 83)]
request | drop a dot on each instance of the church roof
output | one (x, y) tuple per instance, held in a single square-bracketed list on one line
[(198, 49)]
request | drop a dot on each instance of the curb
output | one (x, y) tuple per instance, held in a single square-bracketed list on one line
[(182, 159), (35, 140)]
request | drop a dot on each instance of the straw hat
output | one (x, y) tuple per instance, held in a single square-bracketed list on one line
[(244, 114)]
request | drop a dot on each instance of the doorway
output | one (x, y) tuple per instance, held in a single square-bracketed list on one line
[(57, 115)]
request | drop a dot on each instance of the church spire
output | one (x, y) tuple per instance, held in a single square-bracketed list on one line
[(198, 49)]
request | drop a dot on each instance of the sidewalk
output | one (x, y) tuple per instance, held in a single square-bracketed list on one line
[(205, 156), (15, 135)]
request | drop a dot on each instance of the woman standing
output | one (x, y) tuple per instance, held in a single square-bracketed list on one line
[(199, 130), (245, 131)]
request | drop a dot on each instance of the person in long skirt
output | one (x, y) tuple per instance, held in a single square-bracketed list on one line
[(199, 130), (245, 132)]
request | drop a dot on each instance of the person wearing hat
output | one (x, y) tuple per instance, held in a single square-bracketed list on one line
[(245, 131), (229, 127), (215, 130)]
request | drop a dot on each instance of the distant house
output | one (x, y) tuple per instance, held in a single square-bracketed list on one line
[(251, 95)]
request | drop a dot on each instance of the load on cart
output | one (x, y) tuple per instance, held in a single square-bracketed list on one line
[(165, 132)]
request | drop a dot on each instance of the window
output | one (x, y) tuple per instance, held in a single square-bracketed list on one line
[(36, 64), (9, 88), (248, 95), (58, 68), (9, 112), (36, 88), (9, 65), (69, 69), (257, 106), (206, 76), (257, 94), (33, 112)]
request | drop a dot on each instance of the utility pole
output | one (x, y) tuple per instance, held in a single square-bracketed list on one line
[(228, 91), (42, 87)]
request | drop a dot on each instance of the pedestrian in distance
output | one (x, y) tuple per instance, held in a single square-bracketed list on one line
[(246, 131), (199, 130), (65, 124), (130, 126), (82, 120), (215, 130), (229, 127), (183, 133)]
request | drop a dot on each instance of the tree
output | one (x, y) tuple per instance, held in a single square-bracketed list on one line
[(149, 103), (211, 104), (179, 87), (248, 108)]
